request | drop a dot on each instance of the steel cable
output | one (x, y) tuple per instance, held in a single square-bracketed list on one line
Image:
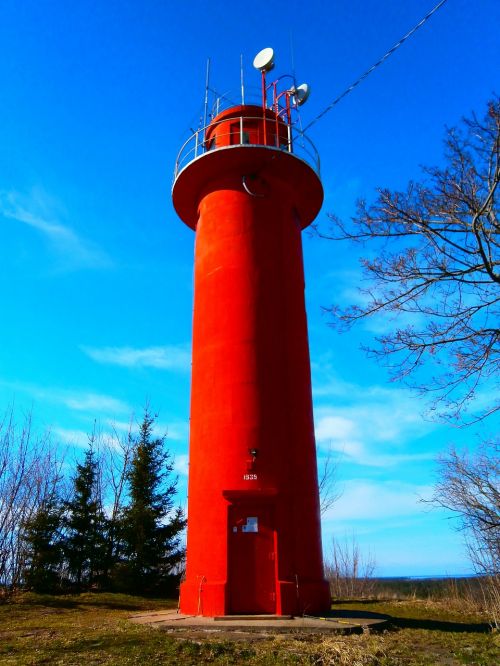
[(377, 64)]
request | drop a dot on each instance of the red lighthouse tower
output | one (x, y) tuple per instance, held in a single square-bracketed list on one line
[(254, 539)]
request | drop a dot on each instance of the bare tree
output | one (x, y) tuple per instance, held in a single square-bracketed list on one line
[(116, 454), (30, 472), (434, 254), (329, 492), (469, 486), (348, 571)]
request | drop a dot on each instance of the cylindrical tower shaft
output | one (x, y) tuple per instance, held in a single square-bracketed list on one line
[(254, 541)]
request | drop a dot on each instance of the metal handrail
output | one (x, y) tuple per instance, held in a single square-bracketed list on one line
[(196, 145)]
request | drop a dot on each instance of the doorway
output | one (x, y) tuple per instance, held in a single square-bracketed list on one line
[(251, 555)]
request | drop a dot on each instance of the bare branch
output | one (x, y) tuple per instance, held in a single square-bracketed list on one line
[(438, 261), (329, 492)]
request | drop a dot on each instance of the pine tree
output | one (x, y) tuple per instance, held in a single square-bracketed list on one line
[(152, 527), (84, 544), (42, 540)]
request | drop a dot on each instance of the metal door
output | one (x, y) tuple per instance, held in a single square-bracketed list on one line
[(252, 586)]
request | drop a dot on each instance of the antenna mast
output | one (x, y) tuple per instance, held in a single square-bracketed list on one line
[(264, 61), (207, 80), (242, 81)]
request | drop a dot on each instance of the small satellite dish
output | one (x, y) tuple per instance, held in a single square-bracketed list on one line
[(301, 93), (264, 60)]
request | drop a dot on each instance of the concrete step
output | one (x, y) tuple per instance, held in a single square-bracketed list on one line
[(249, 618)]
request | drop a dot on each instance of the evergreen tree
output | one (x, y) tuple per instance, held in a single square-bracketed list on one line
[(84, 544), (42, 540), (151, 525)]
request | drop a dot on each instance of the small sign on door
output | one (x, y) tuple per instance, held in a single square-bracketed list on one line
[(252, 524)]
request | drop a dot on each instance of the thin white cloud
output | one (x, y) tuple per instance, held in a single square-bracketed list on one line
[(177, 431), (333, 386), (73, 399), (163, 358), (372, 434), (92, 402), (122, 427), (369, 425), (181, 464), (332, 427), (348, 287), (74, 437), (37, 211), (368, 500), (357, 453)]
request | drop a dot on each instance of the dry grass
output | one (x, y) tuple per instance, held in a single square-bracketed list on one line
[(94, 629)]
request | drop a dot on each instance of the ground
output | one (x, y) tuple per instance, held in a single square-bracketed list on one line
[(95, 629)]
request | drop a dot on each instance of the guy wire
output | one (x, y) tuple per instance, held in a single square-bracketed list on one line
[(377, 64)]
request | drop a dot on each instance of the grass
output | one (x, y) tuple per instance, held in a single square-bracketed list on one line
[(93, 629)]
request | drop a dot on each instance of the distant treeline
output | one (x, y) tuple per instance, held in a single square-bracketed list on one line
[(109, 522), (427, 588)]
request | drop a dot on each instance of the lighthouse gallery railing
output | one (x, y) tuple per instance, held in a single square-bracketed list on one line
[(198, 144)]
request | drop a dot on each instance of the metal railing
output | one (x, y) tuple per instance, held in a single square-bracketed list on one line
[(210, 138)]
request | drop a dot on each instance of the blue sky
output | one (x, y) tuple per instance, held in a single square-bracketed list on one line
[(96, 288)]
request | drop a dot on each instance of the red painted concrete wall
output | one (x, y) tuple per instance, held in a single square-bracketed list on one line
[(254, 542)]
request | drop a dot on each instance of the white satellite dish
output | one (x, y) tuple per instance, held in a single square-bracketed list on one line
[(264, 60), (301, 93)]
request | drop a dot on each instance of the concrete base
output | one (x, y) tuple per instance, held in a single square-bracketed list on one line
[(336, 622)]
